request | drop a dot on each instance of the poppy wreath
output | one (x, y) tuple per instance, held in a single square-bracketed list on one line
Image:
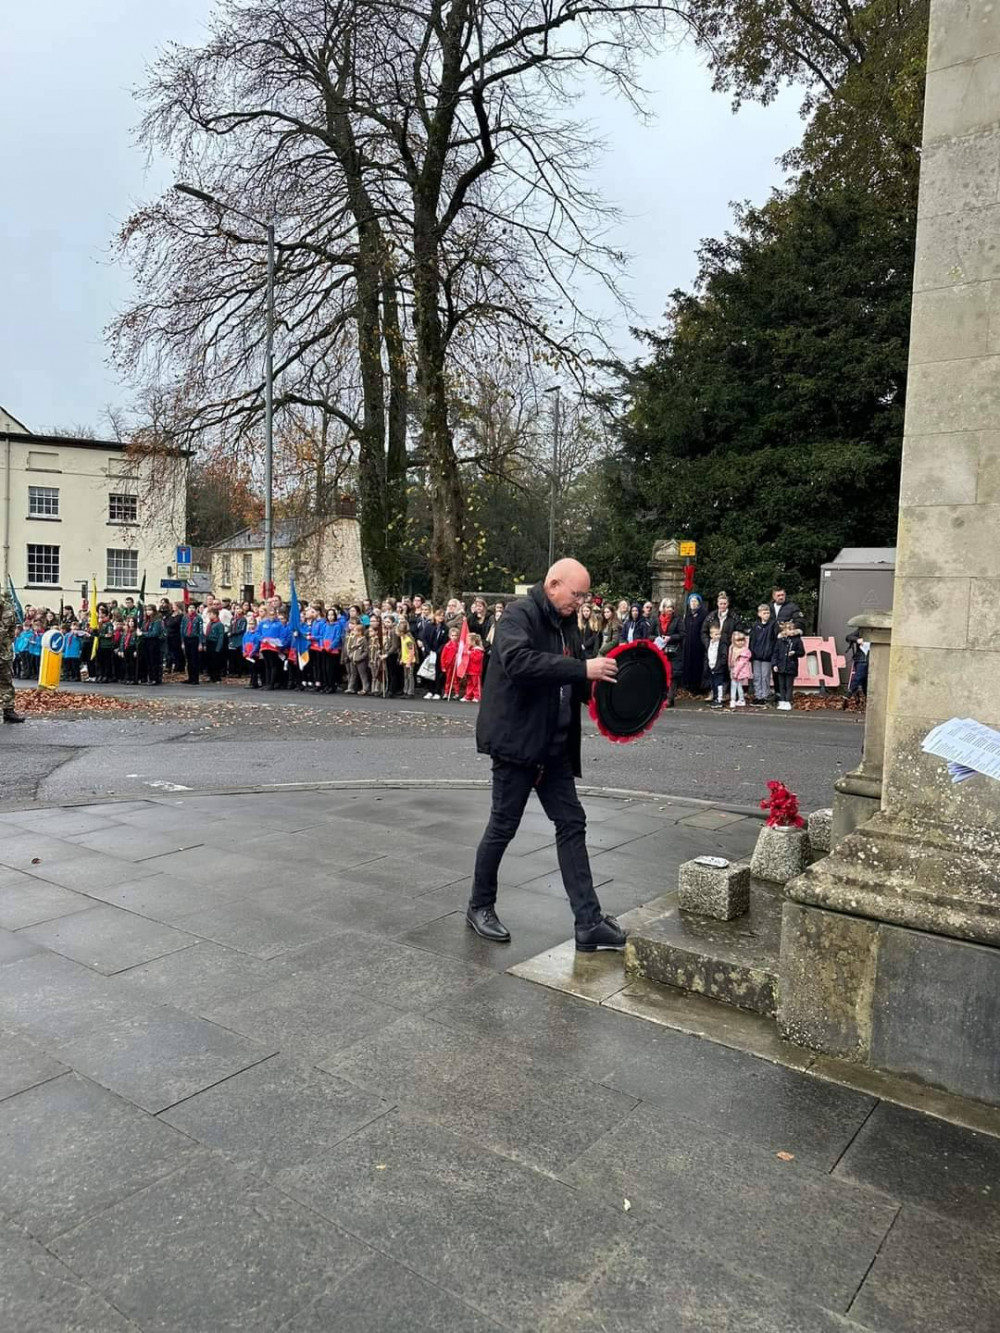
[(603, 696), (782, 807)]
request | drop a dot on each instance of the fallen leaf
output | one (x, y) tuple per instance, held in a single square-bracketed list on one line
[(381, 1166), (628, 1206), (36, 860), (785, 1156)]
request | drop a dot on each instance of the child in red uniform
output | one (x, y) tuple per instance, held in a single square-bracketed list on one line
[(474, 671), (448, 654)]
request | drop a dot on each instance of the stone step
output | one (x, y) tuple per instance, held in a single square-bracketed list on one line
[(735, 962)]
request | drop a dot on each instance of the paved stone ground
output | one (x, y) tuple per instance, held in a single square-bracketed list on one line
[(256, 1074)]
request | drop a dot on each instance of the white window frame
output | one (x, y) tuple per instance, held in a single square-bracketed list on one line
[(118, 556), (248, 569), (43, 501), (226, 572), (126, 502), (52, 560)]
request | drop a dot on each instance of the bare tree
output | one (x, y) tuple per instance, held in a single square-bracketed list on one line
[(432, 191)]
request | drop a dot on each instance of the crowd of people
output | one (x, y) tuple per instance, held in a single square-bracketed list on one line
[(406, 645)]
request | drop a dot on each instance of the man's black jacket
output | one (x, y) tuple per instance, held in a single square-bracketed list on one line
[(535, 651)]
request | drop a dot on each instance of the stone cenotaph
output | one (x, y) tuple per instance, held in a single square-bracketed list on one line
[(890, 947)]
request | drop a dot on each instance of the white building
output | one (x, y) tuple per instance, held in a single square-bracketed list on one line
[(74, 509)]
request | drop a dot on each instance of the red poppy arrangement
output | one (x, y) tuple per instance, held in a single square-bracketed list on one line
[(782, 807), (626, 709)]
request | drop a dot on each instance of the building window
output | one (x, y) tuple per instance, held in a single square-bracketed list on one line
[(123, 509), (123, 569), (43, 501), (227, 571), (43, 564), (247, 570)]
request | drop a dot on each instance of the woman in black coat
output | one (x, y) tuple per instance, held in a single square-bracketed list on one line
[(693, 654), (671, 639), (589, 626), (636, 627)]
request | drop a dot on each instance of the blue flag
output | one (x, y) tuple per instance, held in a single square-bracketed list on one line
[(300, 639), (18, 608)]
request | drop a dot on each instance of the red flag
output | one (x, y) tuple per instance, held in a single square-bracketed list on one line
[(462, 656)]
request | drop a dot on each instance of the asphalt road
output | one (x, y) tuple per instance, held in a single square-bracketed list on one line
[(215, 736)]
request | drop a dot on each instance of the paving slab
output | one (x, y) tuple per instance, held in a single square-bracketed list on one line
[(921, 1160), (655, 1273), (536, 923), (67, 823), (209, 1248), (55, 1000), (384, 1297), (591, 976), (25, 900), (69, 1149), (418, 978), (406, 877), (24, 1065), (77, 868), (376, 911), (308, 1015), (222, 867), (932, 1276), (107, 939), (162, 1059), (275, 1115), (128, 844), (197, 979), (510, 1242), (164, 898), (254, 928), (15, 947), (752, 1210), (505, 1102), (727, 1090), (41, 1295)]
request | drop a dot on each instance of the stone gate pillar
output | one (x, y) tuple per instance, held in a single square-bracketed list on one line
[(891, 946), (666, 570)]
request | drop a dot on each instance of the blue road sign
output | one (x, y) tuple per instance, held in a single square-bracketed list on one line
[(183, 555), (172, 583)]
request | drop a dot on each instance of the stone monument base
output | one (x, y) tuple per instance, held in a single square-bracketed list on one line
[(890, 954)]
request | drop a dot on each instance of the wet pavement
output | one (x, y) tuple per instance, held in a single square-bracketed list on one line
[(257, 1074)]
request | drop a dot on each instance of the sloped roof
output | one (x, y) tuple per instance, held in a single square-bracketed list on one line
[(6, 417), (252, 539)]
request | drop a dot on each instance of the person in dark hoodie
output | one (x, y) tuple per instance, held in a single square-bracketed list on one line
[(529, 724), (762, 636), (636, 627), (788, 651)]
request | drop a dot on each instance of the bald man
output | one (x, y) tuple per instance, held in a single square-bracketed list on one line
[(529, 724)]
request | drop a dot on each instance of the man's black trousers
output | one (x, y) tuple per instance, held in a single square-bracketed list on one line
[(512, 785)]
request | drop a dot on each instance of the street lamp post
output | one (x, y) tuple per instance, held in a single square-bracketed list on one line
[(268, 228), (554, 495)]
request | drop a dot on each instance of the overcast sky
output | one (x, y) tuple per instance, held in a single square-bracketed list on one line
[(70, 172)]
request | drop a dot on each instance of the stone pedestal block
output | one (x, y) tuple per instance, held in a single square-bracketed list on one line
[(780, 854), (827, 981), (820, 829), (722, 892)]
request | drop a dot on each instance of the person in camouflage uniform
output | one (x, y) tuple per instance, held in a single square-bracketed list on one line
[(8, 625)]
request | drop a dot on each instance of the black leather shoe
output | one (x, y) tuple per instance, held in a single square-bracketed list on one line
[(485, 922), (10, 716), (606, 934)]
